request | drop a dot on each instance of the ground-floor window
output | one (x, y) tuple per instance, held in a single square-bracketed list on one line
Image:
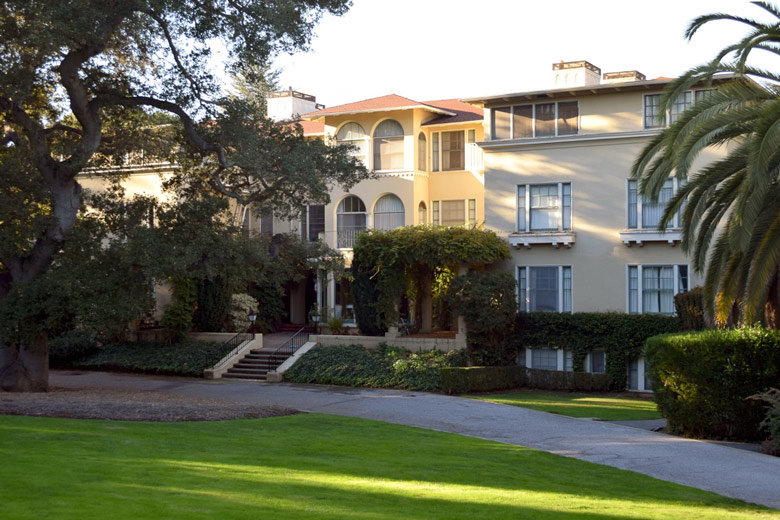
[(544, 359), (544, 288), (344, 307), (638, 377)]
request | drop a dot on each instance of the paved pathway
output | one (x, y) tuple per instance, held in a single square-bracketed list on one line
[(752, 477)]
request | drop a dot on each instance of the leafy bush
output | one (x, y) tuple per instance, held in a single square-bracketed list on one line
[(365, 295), (621, 336), (240, 307), (487, 300), (387, 367), (690, 309), (213, 304), (177, 319), (702, 380), (486, 379), (336, 326), (71, 346), (183, 359), (771, 422)]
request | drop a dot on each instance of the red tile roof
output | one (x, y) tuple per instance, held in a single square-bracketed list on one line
[(377, 104), (463, 112), (312, 127)]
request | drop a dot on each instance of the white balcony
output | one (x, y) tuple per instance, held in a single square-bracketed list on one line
[(475, 158), (642, 236), (553, 238)]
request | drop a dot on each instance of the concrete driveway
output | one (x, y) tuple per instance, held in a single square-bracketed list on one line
[(752, 477)]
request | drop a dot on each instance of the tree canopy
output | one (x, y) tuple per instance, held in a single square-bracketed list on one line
[(85, 82), (731, 207)]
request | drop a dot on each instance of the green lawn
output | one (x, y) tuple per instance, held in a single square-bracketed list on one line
[(603, 407), (313, 467)]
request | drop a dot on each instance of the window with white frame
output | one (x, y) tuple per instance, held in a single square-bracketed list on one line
[(597, 362), (353, 134), (422, 152), (644, 213), (388, 212), (389, 146), (651, 288), (313, 222), (544, 288), (422, 213), (453, 150), (535, 120), (350, 220), (544, 207), (454, 212), (544, 359), (653, 112)]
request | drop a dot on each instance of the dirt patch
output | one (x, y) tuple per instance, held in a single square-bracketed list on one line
[(130, 406)]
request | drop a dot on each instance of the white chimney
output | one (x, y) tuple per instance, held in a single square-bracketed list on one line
[(289, 104), (623, 76), (575, 74)]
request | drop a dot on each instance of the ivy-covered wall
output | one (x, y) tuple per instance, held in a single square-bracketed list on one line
[(621, 336)]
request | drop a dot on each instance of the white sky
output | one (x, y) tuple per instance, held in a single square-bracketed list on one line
[(438, 49)]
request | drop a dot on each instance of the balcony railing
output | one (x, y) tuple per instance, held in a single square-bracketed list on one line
[(346, 237), (474, 157)]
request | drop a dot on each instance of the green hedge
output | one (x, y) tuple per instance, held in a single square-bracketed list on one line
[(702, 380), (182, 359), (487, 379), (386, 367), (621, 336)]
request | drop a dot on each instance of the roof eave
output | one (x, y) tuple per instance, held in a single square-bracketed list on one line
[(311, 116)]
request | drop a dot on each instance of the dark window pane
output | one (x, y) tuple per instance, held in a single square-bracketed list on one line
[(316, 221), (567, 118), (524, 121), (452, 151), (545, 120), (501, 122)]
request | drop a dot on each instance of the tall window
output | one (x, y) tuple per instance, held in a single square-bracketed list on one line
[(267, 222), (422, 152), (353, 133), (389, 146), (544, 288), (653, 111), (453, 150), (350, 220), (313, 222), (388, 212), (435, 151), (472, 213), (643, 213), (651, 288), (422, 213), (680, 105), (544, 207), (535, 120)]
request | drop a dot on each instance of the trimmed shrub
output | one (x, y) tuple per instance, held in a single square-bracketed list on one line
[(181, 359), (487, 300), (690, 309), (240, 306), (70, 346), (387, 367), (487, 379), (702, 380), (621, 336)]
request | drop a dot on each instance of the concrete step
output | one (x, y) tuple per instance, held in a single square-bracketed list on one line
[(247, 377), (251, 371)]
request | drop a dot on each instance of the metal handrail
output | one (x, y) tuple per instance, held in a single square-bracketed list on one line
[(238, 340), (292, 344)]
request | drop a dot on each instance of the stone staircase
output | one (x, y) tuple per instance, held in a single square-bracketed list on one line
[(256, 364)]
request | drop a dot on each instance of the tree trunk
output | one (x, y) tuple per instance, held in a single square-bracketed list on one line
[(25, 367), (426, 300)]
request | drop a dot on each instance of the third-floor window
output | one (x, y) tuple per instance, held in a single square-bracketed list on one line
[(535, 120)]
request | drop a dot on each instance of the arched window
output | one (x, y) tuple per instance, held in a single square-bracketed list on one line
[(389, 146), (422, 213), (422, 152), (350, 220), (388, 212), (353, 133)]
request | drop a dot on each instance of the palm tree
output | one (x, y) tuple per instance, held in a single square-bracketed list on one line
[(731, 207)]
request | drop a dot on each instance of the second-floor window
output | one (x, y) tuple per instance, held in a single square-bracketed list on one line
[(388, 212), (353, 134), (313, 222), (644, 213), (350, 220), (651, 288), (544, 207), (389, 146), (544, 288), (535, 120)]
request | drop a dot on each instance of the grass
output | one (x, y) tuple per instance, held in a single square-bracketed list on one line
[(315, 467), (603, 407)]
